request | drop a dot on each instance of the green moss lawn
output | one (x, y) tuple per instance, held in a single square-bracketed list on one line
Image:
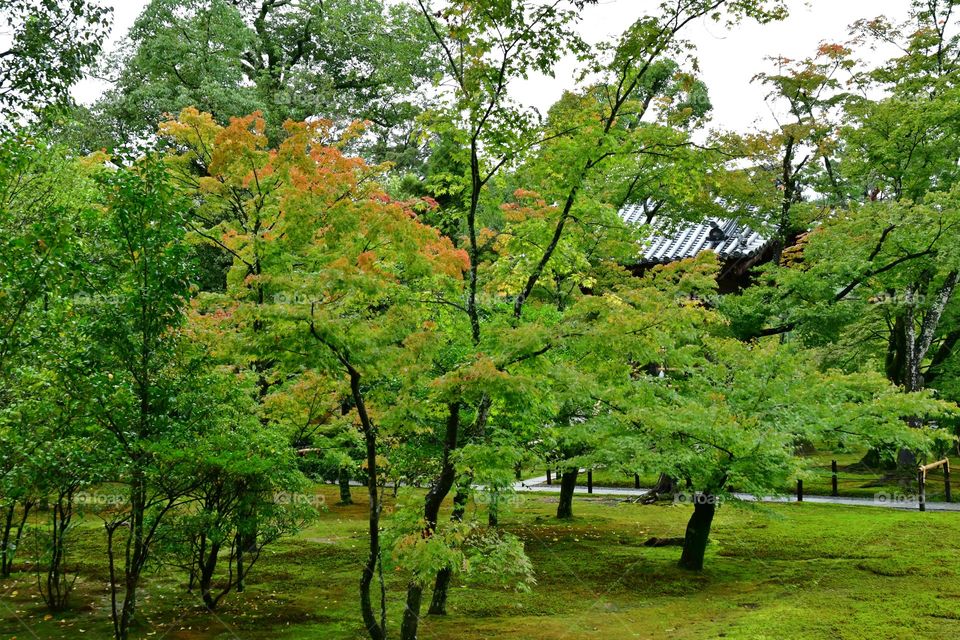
[(803, 570)]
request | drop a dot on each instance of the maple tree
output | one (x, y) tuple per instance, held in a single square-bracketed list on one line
[(876, 273), (545, 249)]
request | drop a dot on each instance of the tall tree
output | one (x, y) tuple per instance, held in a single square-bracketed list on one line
[(492, 133), (49, 46), (145, 382), (335, 59), (885, 251)]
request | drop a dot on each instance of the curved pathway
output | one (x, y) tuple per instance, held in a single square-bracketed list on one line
[(539, 485)]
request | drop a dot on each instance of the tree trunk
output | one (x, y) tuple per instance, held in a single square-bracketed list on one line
[(438, 605), (377, 630), (246, 538), (344, 481), (208, 566), (240, 544), (409, 627), (431, 511), (698, 532), (58, 584), (907, 350), (568, 484), (6, 552), (12, 534), (493, 508), (895, 365), (134, 559), (666, 486)]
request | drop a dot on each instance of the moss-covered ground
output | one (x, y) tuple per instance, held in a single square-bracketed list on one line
[(775, 571)]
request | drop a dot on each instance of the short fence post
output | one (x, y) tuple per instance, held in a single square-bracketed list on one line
[(799, 490), (548, 476), (836, 491), (589, 480), (946, 481), (636, 481), (922, 497)]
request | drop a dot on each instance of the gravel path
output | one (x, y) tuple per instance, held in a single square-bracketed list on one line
[(908, 503)]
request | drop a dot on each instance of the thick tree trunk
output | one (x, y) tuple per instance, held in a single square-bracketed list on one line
[(895, 365), (666, 486), (907, 350), (919, 345), (344, 481), (698, 532), (568, 483), (438, 605)]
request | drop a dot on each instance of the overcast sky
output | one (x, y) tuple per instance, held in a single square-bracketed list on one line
[(728, 58)]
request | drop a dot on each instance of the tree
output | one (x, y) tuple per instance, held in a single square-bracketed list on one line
[(799, 157), (145, 382), (317, 422), (247, 487), (742, 408), (886, 268), (488, 132), (45, 197), (339, 279), (677, 394), (66, 465), (491, 134), (346, 61), (50, 45)]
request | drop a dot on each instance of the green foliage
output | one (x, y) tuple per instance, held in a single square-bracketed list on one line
[(346, 61), (443, 330), (49, 44)]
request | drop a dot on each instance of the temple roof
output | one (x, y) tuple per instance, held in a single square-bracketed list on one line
[(671, 241)]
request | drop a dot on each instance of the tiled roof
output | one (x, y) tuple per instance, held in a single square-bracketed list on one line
[(671, 242)]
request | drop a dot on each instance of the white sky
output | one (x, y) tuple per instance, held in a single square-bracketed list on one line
[(728, 58)]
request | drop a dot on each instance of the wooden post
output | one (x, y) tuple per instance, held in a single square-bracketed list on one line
[(589, 480), (946, 481), (836, 491), (636, 481), (518, 471), (922, 481), (799, 490), (548, 477)]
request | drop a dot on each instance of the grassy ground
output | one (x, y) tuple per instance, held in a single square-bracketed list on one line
[(781, 571)]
